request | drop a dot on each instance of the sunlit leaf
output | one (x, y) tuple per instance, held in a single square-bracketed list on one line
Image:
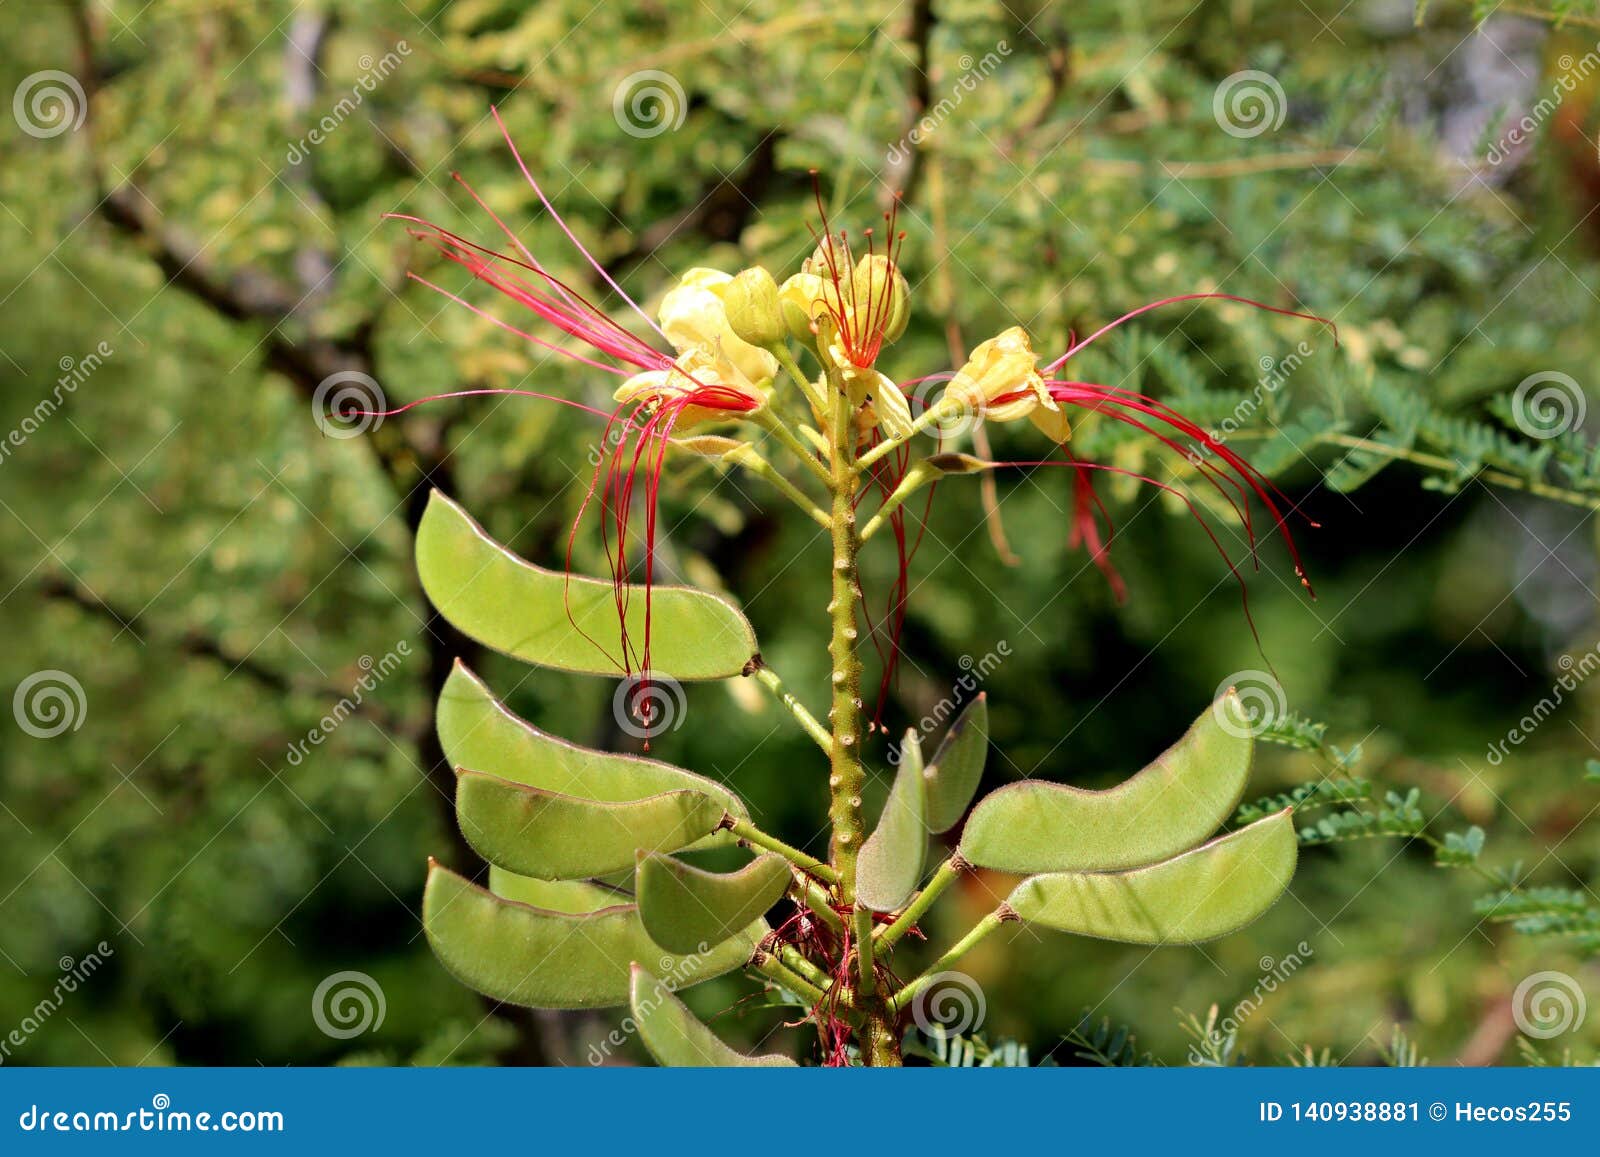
[(889, 867), (548, 618), (1171, 805), (1208, 892), (562, 837), (676, 1037), (528, 956), (685, 908)]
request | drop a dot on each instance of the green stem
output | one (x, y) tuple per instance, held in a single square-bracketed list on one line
[(946, 874), (818, 900), (774, 969), (921, 473), (768, 678), (751, 460), (791, 957), (747, 831), (861, 925), (943, 408), (808, 388), (1445, 465), (982, 928), (882, 1044), (1436, 462), (773, 424)]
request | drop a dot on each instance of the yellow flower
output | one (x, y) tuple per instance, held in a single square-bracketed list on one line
[(695, 374), (1001, 380), (714, 365), (883, 404), (695, 318)]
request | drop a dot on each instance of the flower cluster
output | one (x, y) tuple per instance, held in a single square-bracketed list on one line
[(728, 340)]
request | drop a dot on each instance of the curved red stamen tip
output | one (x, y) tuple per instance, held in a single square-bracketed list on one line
[(1074, 346)]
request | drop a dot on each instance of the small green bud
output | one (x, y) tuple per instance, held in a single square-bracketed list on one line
[(751, 301)]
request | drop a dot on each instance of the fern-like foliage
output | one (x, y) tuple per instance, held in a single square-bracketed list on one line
[(1323, 793), (1399, 815), (944, 1049), (1107, 1044)]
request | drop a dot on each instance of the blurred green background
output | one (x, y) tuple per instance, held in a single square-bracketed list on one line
[(182, 540)]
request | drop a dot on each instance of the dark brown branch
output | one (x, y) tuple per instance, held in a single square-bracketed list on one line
[(719, 214), (199, 645)]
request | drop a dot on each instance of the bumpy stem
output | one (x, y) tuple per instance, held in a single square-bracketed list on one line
[(882, 1046)]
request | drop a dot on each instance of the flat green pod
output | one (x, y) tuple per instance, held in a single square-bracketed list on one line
[(679, 1039), (950, 780), (571, 896), (1168, 807), (564, 621), (685, 908), (541, 959), (541, 833), (477, 731), (1208, 892), (889, 866)]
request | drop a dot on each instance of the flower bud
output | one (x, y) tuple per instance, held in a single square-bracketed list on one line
[(754, 315), (879, 289), (799, 302)]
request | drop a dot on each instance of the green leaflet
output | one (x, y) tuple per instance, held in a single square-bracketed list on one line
[(1168, 807), (572, 896), (477, 732), (676, 1037), (523, 610), (685, 908), (541, 959), (889, 867), (561, 837), (957, 766), (1211, 891)]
